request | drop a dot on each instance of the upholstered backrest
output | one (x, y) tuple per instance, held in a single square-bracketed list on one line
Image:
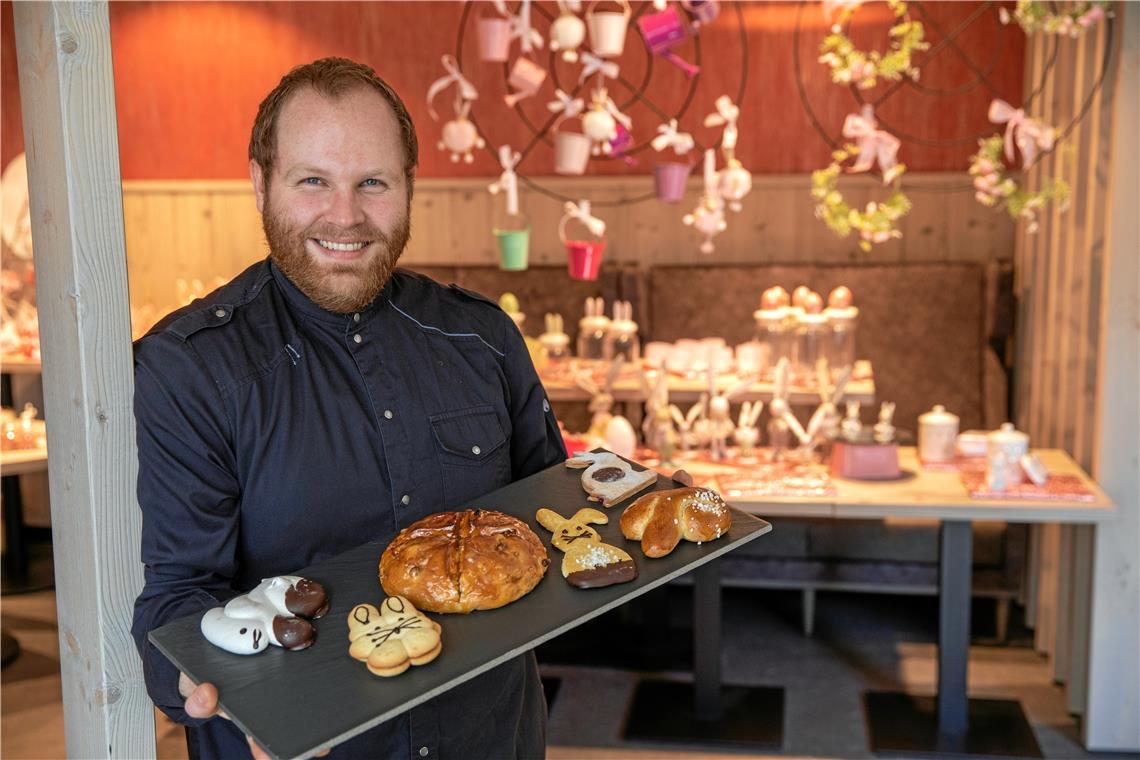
[(920, 325), (540, 289)]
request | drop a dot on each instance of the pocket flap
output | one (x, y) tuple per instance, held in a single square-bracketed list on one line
[(472, 434)]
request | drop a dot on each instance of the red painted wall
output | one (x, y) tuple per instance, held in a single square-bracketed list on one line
[(189, 76)]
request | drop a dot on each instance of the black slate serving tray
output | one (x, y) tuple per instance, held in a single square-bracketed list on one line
[(296, 703)]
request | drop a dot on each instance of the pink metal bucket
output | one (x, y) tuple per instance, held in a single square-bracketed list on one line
[(494, 38), (670, 179), (584, 258)]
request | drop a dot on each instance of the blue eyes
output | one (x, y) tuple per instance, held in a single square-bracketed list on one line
[(370, 183)]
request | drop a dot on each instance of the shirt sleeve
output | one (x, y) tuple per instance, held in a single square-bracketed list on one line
[(188, 492), (536, 441)]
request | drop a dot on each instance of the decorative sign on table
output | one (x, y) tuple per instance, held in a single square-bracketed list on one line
[(296, 703)]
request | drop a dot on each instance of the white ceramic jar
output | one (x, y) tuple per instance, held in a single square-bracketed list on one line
[(937, 435), (1013, 445)]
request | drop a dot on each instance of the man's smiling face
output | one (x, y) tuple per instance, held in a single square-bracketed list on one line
[(335, 207)]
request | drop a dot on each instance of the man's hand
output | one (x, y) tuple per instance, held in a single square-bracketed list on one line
[(202, 702)]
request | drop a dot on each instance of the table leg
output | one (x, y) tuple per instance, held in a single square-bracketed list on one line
[(954, 633), (15, 549), (950, 723), (707, 641)]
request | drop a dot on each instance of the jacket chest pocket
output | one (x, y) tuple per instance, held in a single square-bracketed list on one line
[(473, 456)]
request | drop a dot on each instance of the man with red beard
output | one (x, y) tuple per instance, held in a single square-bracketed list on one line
[(324, 398)]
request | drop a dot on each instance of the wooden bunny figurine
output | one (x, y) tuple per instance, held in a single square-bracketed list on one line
[(685, 422), (783, 423), (719, 427), (824, 423), (852, 426), (747, 435), (609, 430), (884, 431)]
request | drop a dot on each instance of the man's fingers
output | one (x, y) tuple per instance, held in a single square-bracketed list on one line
[(255, 749), (203, 702)]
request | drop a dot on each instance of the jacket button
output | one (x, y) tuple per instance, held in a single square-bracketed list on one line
[(476, 450), (405, 500), (219, 312), (424, 751), (356, 317), (356, 338), (388, 414)]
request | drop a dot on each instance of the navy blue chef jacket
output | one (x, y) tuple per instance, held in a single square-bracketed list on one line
[(273, 434)]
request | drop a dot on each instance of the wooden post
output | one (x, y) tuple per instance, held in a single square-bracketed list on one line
[(68, 97), (1114, 648)]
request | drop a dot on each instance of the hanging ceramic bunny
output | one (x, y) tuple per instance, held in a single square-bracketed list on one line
[(459, 135), (734, 181), (567, 32), (601, 120), (708, 217)]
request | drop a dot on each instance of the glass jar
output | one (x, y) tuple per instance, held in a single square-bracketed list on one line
[(557, 346), (812, 338), (843, 323), (622, 340), (592, 331), (773, 339)]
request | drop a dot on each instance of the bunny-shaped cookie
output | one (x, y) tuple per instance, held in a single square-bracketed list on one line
[(609, 478), (588, 563), (391, 639)]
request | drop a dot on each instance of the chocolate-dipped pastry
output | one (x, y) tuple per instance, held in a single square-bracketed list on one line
[(588, 563), (294, 633), (307, 598)]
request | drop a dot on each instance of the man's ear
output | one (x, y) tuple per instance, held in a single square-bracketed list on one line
[(259, 179)]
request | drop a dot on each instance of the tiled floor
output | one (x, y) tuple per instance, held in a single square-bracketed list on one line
[(861, 642)]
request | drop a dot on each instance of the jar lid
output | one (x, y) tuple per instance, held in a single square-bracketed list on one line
[(556, 340), (938, 415), (842, 314), (1008, 434), (771, 315), (811, 319), (594, 323), (623, 327)]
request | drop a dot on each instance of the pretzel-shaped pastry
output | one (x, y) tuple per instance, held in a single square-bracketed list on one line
[(662, 518)]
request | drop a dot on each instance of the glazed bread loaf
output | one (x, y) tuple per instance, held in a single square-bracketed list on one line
[(463, 561), (659, 520)]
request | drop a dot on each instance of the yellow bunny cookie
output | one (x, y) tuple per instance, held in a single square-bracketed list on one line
[(588, 563), (391, 639)]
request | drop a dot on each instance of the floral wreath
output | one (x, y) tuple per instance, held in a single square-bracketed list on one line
[(878, 222), (1032, 16), (849, 65), (995, 187)]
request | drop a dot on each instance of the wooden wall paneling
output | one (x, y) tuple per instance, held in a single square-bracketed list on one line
[(234, 226), (67, 89)]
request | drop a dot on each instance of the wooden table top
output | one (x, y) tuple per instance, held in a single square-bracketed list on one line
[(923, 493), (21, 461)]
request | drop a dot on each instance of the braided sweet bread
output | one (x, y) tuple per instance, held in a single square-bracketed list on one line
[(662, 518)]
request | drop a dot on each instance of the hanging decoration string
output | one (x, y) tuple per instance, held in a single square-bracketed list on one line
[(466, 90)]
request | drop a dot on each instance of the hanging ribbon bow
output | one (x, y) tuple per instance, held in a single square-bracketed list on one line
[(570, 107), (682, 142), (874, 144), (831, 7), (508, 181), (1030, 135), (467, 90), (520, 25), (592, 64), (581, 212), (726, 113)]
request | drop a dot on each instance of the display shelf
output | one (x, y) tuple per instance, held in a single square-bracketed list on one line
[(15, 366), (23, 461), (682, 389)]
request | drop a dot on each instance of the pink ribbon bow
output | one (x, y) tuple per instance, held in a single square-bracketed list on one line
[(668, 135), (726, 113), (581, 212), (592, 64), (467, 90), (1030, 135), (508, 181), (570, 107), (874, 144)]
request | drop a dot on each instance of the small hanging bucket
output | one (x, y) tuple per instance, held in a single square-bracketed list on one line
[(608, 29), (571, 152), (670, 180), (494, 38)]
